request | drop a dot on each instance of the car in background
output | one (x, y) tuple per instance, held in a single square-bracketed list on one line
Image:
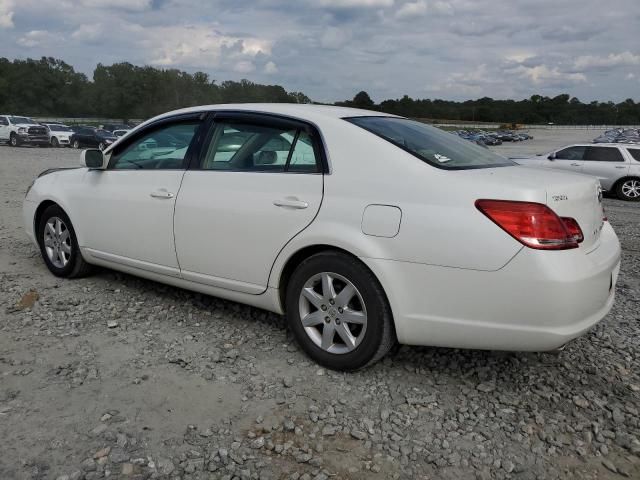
[(22, 131), (92, 137), (121, 133), (344, 221), (112, 127), (617, 166), (59, 134)]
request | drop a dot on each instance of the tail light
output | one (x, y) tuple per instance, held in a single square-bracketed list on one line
[(532, 224), (573, 228)]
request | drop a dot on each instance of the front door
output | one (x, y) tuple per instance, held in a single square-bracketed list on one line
[(257, 184), (128, 217), (569, 159)]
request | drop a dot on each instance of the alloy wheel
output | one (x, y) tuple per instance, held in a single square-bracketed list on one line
[(57, 242), (631, 188), (333, 313)]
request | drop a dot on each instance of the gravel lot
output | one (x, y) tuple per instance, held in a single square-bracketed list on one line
[(114, 376)]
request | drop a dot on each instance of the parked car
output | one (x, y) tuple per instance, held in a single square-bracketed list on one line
[(616, 166), (92, 137), (112, 127), (345, 221), (59, 134), (120, 133), (22, 131)]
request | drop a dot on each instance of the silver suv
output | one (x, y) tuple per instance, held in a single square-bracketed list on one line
[(617, 166)]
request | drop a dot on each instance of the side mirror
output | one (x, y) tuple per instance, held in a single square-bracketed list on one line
[(93, 159), (552, 156)]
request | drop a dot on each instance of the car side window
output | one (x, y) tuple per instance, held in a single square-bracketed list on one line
[(571, 153), (635, 153), (4, 121), (164, 148), (603, 154), (258, 148)]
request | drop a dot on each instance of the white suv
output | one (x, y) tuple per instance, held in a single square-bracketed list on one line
[(59, 134), (617, 166)]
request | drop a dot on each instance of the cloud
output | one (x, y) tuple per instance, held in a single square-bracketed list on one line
[(335, 38), (412, 10), (6, 13), (544, 75), (132, 5), (88, 33), (355, 3), (270, 68), (37, 38), (244, 66), (595, 62), (197, 46)]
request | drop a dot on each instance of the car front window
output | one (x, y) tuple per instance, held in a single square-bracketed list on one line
[(432, 145)]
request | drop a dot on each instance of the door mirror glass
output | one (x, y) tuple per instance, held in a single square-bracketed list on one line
[(92, 158)]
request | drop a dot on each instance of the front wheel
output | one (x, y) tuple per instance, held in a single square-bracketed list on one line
[(13, 140), (76, 144), (338, 312), (629, 189), (55, 143), (59, 246), (102, 146)]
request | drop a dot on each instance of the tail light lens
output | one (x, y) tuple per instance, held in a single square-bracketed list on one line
[(532, 224), (573, 228)]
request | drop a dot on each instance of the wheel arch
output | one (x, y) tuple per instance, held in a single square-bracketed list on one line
[(617, 183), (300, 255), (40, 210)]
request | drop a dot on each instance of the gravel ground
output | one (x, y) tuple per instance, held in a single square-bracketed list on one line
[(114, 376)]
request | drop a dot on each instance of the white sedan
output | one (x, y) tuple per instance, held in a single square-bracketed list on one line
[(362, 228)]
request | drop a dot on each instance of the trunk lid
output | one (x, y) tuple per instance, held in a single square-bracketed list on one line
[(567, 194)]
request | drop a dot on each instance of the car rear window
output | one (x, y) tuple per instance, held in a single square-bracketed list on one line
[(432, 145)]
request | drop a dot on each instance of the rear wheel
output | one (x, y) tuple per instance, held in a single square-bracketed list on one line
[(338, 312), (76, 144), (629, 189), (59, 246), (101, 146)]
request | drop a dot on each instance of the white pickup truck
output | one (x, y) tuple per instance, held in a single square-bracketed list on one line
[(22, 131)]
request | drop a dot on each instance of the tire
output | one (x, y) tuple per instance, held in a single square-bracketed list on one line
[(55, 143), (370, 329), (14, 141), (68, 262), (76, 144), (101, 146), (629, 189)]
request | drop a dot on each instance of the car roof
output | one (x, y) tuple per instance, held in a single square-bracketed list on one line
[(310, 112)]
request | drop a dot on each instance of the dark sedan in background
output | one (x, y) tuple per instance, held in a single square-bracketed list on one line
[(92, 137)]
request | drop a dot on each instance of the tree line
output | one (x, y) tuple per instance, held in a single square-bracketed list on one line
[(51, 87)]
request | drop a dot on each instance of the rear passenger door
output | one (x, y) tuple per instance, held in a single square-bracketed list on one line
[(606, 163), (258, 183), (4, 128)]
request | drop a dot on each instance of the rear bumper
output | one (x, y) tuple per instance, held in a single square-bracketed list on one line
[(539, 301)]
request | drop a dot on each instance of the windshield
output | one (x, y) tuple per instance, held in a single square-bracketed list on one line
[(22, 120), (59, 128), (430, 144)]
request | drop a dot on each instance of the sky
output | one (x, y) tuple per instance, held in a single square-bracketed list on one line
[(331, 49)]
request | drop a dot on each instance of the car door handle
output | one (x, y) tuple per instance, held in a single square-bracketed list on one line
[(161, 194), (621, 166), (575, 164), (291, 203)]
